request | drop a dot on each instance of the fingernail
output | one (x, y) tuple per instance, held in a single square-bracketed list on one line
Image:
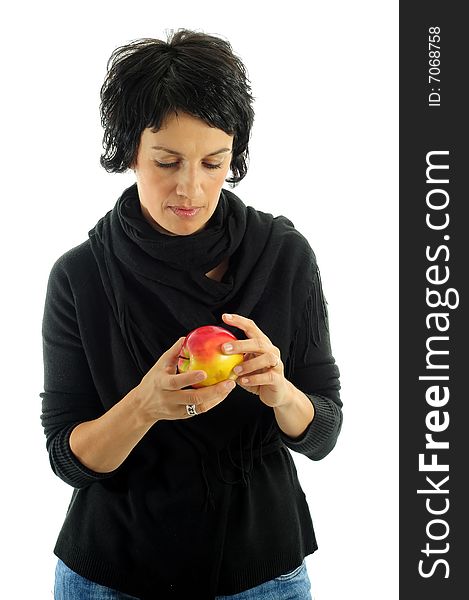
[(228, 347), (229, 385), (201, 375), (228, 316), (238, 370)]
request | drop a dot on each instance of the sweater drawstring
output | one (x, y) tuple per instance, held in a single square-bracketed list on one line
[(209, 502), (261, 446), (245, 470), (201, 451), (255, 451), (244, 465)]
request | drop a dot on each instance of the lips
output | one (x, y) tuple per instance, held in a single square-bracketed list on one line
[(184, 212)]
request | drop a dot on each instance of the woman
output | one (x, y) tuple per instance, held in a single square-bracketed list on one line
[(184, 492)]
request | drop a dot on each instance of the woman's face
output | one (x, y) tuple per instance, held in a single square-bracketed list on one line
[(184, 164)]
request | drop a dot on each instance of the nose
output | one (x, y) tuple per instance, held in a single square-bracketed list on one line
[(189, 184)]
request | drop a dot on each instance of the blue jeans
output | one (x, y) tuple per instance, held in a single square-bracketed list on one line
[(291, 586), (294, 585)]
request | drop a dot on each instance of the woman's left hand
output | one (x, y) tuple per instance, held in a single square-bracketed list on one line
[(262, 365)]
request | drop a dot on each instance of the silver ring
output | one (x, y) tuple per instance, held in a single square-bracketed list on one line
[(190, 409)]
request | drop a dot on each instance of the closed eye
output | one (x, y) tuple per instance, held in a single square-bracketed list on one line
[(175, 164)]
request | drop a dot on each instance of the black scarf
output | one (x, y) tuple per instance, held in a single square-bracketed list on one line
[(158, 290)]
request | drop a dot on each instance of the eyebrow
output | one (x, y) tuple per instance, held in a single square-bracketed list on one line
[(169, 151)]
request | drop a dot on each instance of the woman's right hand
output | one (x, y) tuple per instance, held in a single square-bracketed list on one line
[(104, 443), (160, 392)]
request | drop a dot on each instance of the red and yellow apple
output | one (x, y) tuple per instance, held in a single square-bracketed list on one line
[(202, 350)]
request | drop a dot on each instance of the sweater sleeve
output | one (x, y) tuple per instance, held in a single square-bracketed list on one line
[(315, 373), (69, 395)]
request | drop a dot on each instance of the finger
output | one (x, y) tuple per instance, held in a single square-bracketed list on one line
[(204, 402), (223, 390), (256, 345), (182, 380), (268, 360), (267, 378), (170, 357), (207, 397), (247, 325)]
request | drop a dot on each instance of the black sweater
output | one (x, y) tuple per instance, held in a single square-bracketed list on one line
[(176, 516)]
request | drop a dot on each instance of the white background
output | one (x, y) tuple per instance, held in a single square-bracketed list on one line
[(323, 153)]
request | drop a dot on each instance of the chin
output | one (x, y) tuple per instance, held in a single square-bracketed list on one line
[(191, 230)]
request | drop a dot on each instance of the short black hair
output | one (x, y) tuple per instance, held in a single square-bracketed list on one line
[(149, 79)]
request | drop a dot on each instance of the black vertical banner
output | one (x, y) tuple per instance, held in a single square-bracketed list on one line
[(434, 272)]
